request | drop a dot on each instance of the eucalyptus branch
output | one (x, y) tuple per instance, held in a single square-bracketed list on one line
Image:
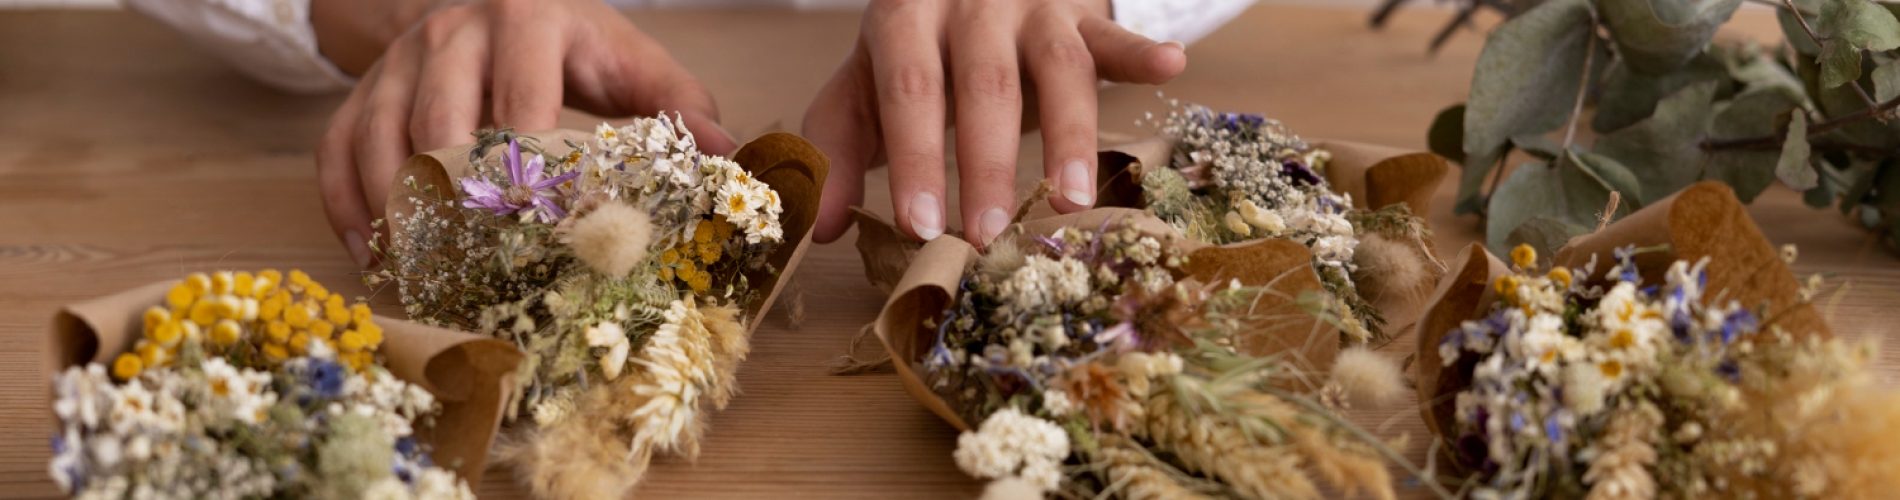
[(1773, 141), (1865, 98), (1583, 86)]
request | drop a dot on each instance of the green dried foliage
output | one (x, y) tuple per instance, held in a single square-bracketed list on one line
[(1670, 107)]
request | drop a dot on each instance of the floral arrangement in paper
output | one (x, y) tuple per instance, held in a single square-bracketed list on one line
[(626, 264), (1233, 177), (1089, 362), (1612, 386), (247, 385)]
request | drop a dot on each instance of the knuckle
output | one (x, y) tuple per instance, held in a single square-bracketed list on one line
[(439, 28), (989, 172), (916, 160), (1076, 135), (914, 83), (989, 80), (1063, 53)]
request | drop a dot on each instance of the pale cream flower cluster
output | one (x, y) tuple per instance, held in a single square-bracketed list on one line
[(1012, 444), (678, 363)]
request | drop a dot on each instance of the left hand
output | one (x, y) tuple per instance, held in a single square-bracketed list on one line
[(890, 98)]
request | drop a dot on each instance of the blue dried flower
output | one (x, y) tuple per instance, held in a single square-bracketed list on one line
[(326, 377)]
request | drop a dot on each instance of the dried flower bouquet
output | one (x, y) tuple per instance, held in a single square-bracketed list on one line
[(629, 266), (1101, 353), (1671, 354), (1229, 177), (255, 385)]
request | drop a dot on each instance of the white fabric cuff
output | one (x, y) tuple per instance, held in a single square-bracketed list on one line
[(1184, 21), (269, 40)]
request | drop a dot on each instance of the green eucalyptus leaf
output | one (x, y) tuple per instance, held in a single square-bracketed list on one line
[(1860, 23), (1752, 114), (1659, 36), (1447, 135), (1759, 70), (1887, 81), (1544, 234), (1526, 81), (1560, 191), (1629, 97), (1797, 37), (1613, 175), (1540, 146), (1860, 183), (1840, 63), (1665, 150), (1793, 168), (1844, 100)]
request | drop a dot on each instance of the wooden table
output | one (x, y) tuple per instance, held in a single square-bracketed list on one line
[(126, 157)]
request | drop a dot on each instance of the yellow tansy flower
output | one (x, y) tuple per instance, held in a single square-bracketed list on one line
[(152, 354), (1524, 256), (222, 283), (226, 333), (322, 329), (275, 352), (723, 228), (167, 333), (277, 331), (271, 308), (700, 283), (360, 314), (299, 278), (127, 366), (335, 311), (372, 334), (666, 274), (181, 296), (299, 342), (155, 316), (704, 232), (1561, 276), (297, 314), (670, 256), (243, 284), (709, 252), (199, 283), (316, 291), (351, 341), (687, 272)]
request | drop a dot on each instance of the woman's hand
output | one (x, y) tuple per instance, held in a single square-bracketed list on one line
[(510, 63), (917, 58)]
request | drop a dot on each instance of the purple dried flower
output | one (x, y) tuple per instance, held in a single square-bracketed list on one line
[(526, 189)]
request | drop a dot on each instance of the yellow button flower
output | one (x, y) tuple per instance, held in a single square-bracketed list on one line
[(152, 354), (351, 341), (277, 331), (226, 333), (155, 316), (1561, 276), (181, 296), (200, 283), (271, 308), (127, 366), (360, 314), (299, 279), (275, 352), (298, 314), (1524, 256), (709, 252), (167, 333), (335, 311), (223, 282), (316, 291), (243, 284), (299, 342), (372, 334), (322, 329), (700, 283)]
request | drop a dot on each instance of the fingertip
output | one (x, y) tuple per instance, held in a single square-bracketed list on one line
[(1164, 61)]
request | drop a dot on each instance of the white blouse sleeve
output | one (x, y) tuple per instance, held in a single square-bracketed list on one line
[(270, 40), (1183, 21)]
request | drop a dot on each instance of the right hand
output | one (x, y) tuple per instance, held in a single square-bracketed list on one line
[(506, 63)]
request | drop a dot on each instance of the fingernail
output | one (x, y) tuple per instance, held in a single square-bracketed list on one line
[(1076, 186), (1176, 44), (993, 222), (926, 216), (358, 249)]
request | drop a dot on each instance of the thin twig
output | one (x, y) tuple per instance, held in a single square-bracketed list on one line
[(1773, 141), (1803, 20), (1609, 211), (1583, 88)]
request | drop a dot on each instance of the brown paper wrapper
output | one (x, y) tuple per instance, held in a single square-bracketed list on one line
[(468, 374), (1375, 176), (933, 272), (1705, 220), (792, 166)]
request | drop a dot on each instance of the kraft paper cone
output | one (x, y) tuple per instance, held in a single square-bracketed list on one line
[(1375, 177), (934, 271), (1705, 220), (792, 166), (468, 374)]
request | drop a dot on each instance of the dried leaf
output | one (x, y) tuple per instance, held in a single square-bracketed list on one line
[(1860, 23), (1840, 63), (1659, 36), (1447, 135), (1755, 113), (1629, 97), (1793, 168), (1664, 150), (1526, 81)]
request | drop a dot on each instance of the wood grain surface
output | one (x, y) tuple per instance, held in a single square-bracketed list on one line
[(129, 156)]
